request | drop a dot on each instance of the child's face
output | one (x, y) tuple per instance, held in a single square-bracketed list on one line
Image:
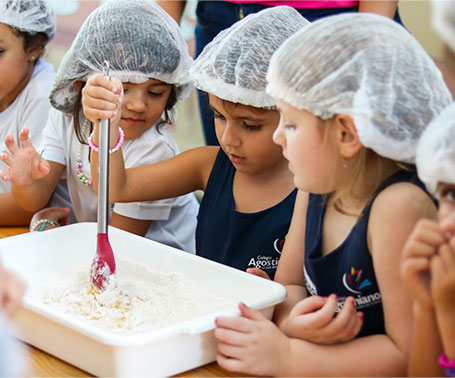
[(15, 66), (245, 135), (142, 106), (308, 147), (446, 196)]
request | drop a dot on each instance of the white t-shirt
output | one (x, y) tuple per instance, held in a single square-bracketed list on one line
[(29, 109), (174, 219)]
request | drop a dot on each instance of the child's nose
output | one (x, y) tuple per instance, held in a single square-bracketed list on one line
[(135, 103), (230, 137), (278, 136)]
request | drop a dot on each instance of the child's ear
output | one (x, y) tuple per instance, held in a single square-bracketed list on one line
[(34, 52), (347, 137)]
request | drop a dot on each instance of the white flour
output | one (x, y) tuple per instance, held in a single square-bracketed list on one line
[(140, 300)]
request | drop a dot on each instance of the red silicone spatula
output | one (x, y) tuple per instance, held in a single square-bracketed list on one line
[(103, 265)]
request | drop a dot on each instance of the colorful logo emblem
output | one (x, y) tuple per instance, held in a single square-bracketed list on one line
[(278, 244), (353, 281)]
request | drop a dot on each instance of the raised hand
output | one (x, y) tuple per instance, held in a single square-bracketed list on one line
[(313, 319), (421, 246), (25, 165), (250, 343)]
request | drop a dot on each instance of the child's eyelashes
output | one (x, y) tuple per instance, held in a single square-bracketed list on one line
[(251, 127), (218, 116), (447, 194), (289, 127), (155, 94)]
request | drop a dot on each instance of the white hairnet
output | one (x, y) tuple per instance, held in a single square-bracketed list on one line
[(443, 20), (365, 66), (436, 151), (30, 16), (138, 39), (234, 65)]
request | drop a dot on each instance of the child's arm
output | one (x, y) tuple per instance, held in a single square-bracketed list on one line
[(12, 289), (11, 214), (443, 290), (383, 7), (180, 175), (33, 178), (135, 226)]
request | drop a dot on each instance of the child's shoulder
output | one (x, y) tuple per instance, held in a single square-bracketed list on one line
[(401, 203)]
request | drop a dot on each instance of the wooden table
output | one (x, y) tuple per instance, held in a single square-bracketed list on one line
[(42, 364)]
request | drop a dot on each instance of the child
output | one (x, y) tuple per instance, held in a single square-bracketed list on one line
[(428, 266), (146, 50), (26, 26), (249, 192), (354, 98)]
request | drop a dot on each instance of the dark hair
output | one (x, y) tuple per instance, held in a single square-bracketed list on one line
[(30, 40), (167, 119)]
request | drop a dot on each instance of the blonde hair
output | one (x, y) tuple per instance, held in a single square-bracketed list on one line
[(358, 168)]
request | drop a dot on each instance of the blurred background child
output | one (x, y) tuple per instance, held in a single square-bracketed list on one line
[(354, 98), (249, 192), (146, 51), (26, 26), (428, 266)]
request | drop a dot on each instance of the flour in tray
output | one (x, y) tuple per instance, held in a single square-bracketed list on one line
[(139, 299)]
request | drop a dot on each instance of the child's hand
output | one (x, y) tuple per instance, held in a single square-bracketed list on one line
[(25, 165), (258, 272), (101, 98), (250, 343), (12, 289), (420, 247), (443, 277), (58, 214), (313, 319)]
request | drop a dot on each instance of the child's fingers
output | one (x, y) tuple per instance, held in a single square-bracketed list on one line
[(100, 98), (309, 304), (24, 139), (236, 323), (231, 364), (447, 258), (258, 272), (232, 351), (6, 158), (250, 313), (353, 327), (4, 174), (11, 144), (230, 337), (102, 81), (41, 168)]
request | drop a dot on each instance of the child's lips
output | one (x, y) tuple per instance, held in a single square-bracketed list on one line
[(236, 159), (132, 121)]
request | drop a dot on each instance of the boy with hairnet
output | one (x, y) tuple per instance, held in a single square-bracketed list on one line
[(149, 59), (26, 26), (428, 266), (354, 98), (249, 192)]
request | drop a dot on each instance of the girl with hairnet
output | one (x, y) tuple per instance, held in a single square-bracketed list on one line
[(428, 266), (249, 193), (26, 26), (146, 53), (354, 99)]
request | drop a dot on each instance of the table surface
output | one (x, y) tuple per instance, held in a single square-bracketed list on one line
[(42, 364)]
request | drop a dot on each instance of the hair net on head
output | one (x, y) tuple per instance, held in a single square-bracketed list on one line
[(436, 151), (365, 66), (443, 20), (30, 16), (138, 39), (234, 65)]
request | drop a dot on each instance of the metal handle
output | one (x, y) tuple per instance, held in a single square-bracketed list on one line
[(103, 168)]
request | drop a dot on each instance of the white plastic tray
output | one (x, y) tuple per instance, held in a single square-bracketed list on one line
[(163, 352)]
